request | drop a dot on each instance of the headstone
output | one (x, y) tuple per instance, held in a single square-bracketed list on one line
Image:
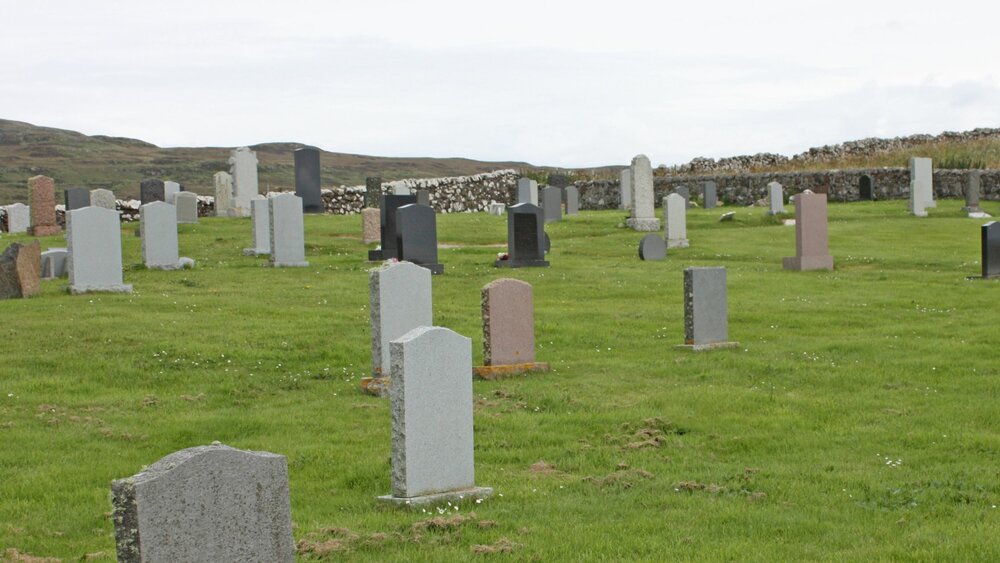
[(652, 247), (431, 390), (728, 216), (684, 192), (94, 242), (307, 181), (776, 198), (373, 191), (416, 236), (399, 296), (54, 263), (709, 195), (552, 203), (625, 188), (370, 228), (170, 191), (18, 217), (187, 207), (990, 235), (103, 198), (286, 231), (643, 213), (223, 193), (150, 190), (973, 183), (675, 215), (921, 186), (811, 250), (706, 315), (243, 168), (42, 195), (387, 225), (496, 209), (20, 270), (158, 228), (572, 200), (401, 189), (865, 185), (260, 228), (527, 191), (205, 504), (525, 237), (423, 197), (508, 322), (75, 198)]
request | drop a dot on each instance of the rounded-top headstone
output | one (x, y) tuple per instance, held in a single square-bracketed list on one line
[(652, 247)]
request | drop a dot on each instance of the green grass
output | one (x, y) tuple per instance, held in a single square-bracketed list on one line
[(777, 450)]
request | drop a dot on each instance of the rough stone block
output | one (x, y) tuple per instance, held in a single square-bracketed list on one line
[(20, 270)]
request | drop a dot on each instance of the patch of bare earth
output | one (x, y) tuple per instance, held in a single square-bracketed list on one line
[(502, 545)]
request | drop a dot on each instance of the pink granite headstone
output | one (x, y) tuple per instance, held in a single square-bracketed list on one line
[(371, 228), (811, 249), (508, 323), (42, 195)]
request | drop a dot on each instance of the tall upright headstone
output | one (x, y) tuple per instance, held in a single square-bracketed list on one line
[(223, 193), (643, 212), (990, 235), (866, 188), (103, 198), (20, 270), (75, 198), (373, 191), (508, 322), (170, 191), (973, 184), (706, 315), (18, 217), (286, 231), (625, 188), (921, 186), (42, 195), (527, 191), (187, 207), (552, 203), (243, 168), (94, 242), (709, 194), (150, 190), (307, 180), (675, 215), (525, 237), (387, 226), (416, 236), (572, 200), (260, 228), (158, 228), (399, 295), (775, 198), (205, 504), (811, 249), (431, 390)]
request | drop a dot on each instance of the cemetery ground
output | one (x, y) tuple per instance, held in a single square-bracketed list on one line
[(856, 420)]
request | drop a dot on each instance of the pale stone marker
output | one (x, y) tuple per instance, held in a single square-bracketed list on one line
[(206, 504), (223, 193), (527, 191), (20, 270), (103, 198), (170, 191), (260, 224), (94, 242), (401, 189), (552, 203), (776, 198), (710, 197), (158, 228), (643, 212), (706, 316), (187, 207), (18, 217), (811, 250), (42, 194), (243, 168), (431, 402), (652, 247), (508, 329), (625, 188), (287, 231), (921, 186), (54, 263), (572, 200), (675, 215)]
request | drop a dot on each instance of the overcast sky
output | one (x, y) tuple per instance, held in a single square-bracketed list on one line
[(563, 83)]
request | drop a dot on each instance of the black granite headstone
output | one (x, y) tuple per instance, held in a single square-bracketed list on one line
[(150, 190), (373, 191), (307, 180), (526, 238), (416, 236), (991, 249), (865, 188), (652, 247), (77, 198), (387, 220)]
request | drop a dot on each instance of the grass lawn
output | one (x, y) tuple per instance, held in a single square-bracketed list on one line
[(856, 421)]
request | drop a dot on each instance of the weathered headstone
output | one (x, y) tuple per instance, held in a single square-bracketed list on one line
[(508, 323), (18, 217), (20, 270), (625, 188), (643, 213), (990, 235), (204, 505), (710, 198), (921, 186), (75, 198), (104, 198), (223, 193), (775, 198), (416, 236), (527, 191), (54, 263), (158, 228), (552, 203), (286, 231), (307, 180), (652, 247), (387, 226), (973, 184), (260, 228), (431, 390), (373, 192), (675, 215), (811, 250), (865, 188), (572, 200), (684, 192), (423, 197), (525, 237), (371, 230), (170, 191), (243, 168), (706, 315), (94, 242), (150, 190), (187, 207), (496, 209), (399, 295), (42, 195)]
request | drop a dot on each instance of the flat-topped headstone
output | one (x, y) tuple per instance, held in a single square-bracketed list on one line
[(54, 263), (675, 215), (260, 228), (75, 198), (150, 190), (552, 203), (371, 229), (508, 322), (42, 195), (811, 248), (243, 168), (187, 207), (652, 247), (775, 198), (373, 191), (710, 197), (572, 200), (286, 231), (103, 198), (921, 186), (496, 209), (94, 242), (643, 213), (625, 188), (223, 193), (416, 236), (525, 237), (423, 197), (866, 188), (706, 315), (307, 180), (170, 191), (158, 228), (206, 504), (990, 236), (387, 225), (527, 191), (401, 189), (20, 270), (973, 185), (431, 390), (399, 295), (18, 218)]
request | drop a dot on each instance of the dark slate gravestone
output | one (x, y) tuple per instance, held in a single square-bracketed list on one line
[(548, 243), (686, 194), (865, 188), (307, 180), (373, 191), (416, 236), (150, 190), (973, 183), (424, 197), (387, 222), (991, 249), (77, 198), (652, 247), (709, 197), (552, 203), (526, 238)]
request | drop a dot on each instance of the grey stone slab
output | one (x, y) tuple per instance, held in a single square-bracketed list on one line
[(643, 214), (307, 180), (150, 190), (401, 189), (260, 225), (775, 198), (525, 237), (423, 197), (373, 191), (286, 231), (399, 296), (104, 198), (206, 504), (18, 217), (675, 215), (990, 236), (223, 193), (54, 263), (170, 191), (652, 247), (158, 229), (243, 168), (710, 198), (625, 188), (973, 185), (187, 207), (552, 204), (416, 236), (706, 315), (685, 193), (921, 186), (387, 224), (94, 242), (527, 191), (496, 209), (75, 198), (572, 200)]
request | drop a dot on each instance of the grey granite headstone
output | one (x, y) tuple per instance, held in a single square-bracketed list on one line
[(187, 207), (150, 190), (103, 198), (431, 401), (75, 198), (416, 236), (865, 188), (706, 315), (170, 191), (54, 263), (94, 242), (223, 193), (675, 216), (525, 237), (709, 194), (572, 200), (373, 191), (776, 198), (387, 221), (158, 228), (527, 191), (18, 217), (287, 231), (973, 183), (990, 235), (625, 188), (685, 193), (643, 213), (307, 180), (652, 247), (399, 296), (260, 224), (243, 168), (207, 504), (552, 203), (423, 197)]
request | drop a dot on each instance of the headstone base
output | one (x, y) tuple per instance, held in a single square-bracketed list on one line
[(808, 263), (972, 209), (454, 497), (643, 225), (376, 255), (45, 230), (706, 347), (501, 371), (287, 264), (255, 252), (979, 215), (376, 386), (678, 243), (80, 290), (521, 263)]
